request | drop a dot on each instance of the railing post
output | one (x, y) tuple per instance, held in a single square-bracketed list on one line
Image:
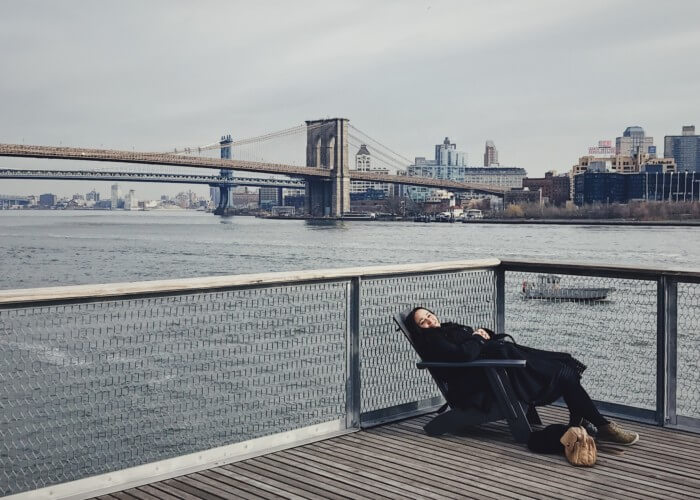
[(671, 347), (500, 299), (666, 325), (352, 385)]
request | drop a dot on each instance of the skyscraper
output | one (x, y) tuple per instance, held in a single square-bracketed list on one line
[(446, 154), (684, 149), (115, 196), (490, 154), (634, 142)]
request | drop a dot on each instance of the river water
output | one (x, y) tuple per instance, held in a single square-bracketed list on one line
[(64, 248)]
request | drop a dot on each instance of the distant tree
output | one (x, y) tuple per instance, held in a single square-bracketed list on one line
[(513, 211)]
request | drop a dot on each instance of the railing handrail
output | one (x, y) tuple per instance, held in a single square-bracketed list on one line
[(212, 283), (601, 270)]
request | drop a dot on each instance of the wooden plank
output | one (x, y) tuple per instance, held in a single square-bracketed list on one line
[(181, 494), (312, 474), (120, 495), (141, 494), (380, 475), (318, 489), (533, 464), (214, 486), (620, 479), (161, 494), (566, 479), (428, 475), (227, 475), (459, 470), (190, 488), (253, 487), (114, 290), (388, 484), (299, 490)]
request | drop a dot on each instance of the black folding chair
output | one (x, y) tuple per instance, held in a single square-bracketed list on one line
[(507, 406)]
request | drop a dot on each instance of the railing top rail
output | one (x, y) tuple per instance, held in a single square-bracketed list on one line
[(603, 270), (30, 296)]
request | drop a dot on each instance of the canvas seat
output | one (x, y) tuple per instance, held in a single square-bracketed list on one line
[(451, 418)]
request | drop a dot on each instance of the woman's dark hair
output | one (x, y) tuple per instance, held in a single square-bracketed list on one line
[(411, 321)]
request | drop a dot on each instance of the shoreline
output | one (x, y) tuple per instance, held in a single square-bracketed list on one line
[(562, 222)]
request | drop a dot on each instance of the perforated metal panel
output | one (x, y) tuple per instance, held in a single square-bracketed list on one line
[(688, 388), (96, 387), (615, 337), (388, 362)]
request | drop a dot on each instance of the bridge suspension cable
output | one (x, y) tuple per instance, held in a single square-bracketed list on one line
[(378, 155), (297, 129), (360, 135)]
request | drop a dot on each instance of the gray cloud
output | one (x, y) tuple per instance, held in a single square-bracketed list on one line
[(543, 79)]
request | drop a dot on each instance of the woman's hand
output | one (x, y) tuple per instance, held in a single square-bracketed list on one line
[(482, 333)]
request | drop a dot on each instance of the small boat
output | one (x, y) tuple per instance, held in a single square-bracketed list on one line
[(548, 287)]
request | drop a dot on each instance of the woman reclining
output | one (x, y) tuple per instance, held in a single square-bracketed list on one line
[(547, 376)]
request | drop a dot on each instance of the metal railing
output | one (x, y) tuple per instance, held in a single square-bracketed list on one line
[(109, 386)]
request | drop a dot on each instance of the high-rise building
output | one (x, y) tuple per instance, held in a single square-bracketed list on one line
[(92, 196), (447, 154), (270, 197), (363, 163), (490, 154), (455, 169), (684, 149), (130, 201), (634, 142), (47, 200), (115, 196)]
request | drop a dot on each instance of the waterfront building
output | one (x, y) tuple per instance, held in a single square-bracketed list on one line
[(520, 196), (363, 163), (270, 197), (634, 141), (651, 184), (115, 196), (684, 149), (47, 200), (555, 189), (245, 198), (8, 202), (490, 154), (92, 196), (449, 164)]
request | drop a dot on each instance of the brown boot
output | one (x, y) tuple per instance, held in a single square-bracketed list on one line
[(613, 433)]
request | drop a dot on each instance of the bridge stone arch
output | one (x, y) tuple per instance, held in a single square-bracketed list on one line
[(327, 148)]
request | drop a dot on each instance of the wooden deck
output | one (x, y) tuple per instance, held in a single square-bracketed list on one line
[(399, 461)]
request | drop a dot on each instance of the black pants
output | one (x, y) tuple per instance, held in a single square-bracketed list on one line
[(580, 404)]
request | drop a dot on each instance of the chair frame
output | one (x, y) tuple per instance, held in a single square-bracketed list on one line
[(519, 414)]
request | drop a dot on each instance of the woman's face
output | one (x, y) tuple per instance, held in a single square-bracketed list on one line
[(425, 319)]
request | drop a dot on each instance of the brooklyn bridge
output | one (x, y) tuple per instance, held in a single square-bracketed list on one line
[(325, 177)]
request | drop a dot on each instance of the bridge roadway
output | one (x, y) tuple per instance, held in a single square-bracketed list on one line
[(90, 175), (109, 155)]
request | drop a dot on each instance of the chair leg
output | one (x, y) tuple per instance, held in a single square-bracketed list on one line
[(444, 423), (532, 416), (454, 420), (510, 406)]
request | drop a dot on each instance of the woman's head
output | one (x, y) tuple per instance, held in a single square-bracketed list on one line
[(421, 318)]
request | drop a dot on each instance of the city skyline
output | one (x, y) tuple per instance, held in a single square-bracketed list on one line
[(543, 92)]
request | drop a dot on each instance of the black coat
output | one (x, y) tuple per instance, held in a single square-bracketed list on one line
[(540, 382)]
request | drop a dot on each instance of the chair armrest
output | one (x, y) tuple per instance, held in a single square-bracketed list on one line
[(480, 363)]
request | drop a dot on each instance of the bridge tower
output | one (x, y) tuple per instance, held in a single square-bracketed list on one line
[(327, 148), (225, 206)]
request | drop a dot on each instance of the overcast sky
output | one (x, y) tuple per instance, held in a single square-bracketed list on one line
[(542, 79)]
